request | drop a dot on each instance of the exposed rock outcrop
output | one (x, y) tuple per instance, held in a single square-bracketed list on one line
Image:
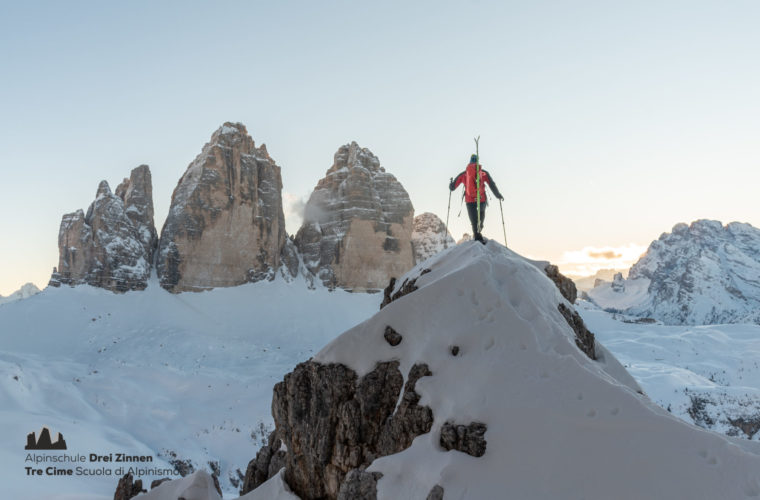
[(407, 287), (392, 336), (468, 439), (359, 484), (269, 460), (357, 226), (565, 285), (584, 339), (112, 245), (332, 422), (225, 225), (429, 236), (128, 488), (436, 493)]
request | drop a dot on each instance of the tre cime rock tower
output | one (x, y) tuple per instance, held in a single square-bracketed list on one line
[(226, 225), (357, 227)]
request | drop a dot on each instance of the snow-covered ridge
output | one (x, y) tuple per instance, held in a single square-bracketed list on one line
[(486, 325), (698, 274)]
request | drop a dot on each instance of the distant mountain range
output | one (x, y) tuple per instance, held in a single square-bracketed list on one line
[(698, 274), (24, 292)]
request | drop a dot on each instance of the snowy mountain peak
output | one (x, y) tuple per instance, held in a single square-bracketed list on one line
[(472, 378), (702, 273), (26, 291)]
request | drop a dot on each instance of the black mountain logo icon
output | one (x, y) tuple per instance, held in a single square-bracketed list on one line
[(44, 442)]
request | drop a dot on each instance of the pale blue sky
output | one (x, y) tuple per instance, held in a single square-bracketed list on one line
[(603, 122)]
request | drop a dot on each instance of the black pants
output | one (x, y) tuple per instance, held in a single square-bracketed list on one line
[(472, 211)]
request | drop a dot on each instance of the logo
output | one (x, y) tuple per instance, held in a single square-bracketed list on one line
[(44, 442)]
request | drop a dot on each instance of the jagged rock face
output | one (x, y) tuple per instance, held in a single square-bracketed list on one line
[(332, 422), (357, 227), (137, 195), (269, 460), (112, 245), (429, 236), (618, 285), (128, 488), (703, 273), (359, 484), (565, 285), (584, 339), (225, 225), (468, 439)]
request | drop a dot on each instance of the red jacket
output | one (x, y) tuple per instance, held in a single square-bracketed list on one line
[(468, 179)]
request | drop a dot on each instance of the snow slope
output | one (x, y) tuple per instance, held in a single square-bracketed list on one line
[(152, 373), (708, 375), (559, 424)]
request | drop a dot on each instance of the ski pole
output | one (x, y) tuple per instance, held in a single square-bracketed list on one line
[(502, 223), (446, 232)]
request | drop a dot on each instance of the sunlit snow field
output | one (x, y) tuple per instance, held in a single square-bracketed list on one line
[(152, 373), (191, 375)]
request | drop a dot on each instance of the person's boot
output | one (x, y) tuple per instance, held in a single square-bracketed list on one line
[(479, 237)]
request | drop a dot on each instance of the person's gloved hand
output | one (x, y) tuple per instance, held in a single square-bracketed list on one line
[(500, 197), (452, 186)]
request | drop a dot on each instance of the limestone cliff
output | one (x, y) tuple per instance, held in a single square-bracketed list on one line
[(225, 226), (357, 225), (111, 246)]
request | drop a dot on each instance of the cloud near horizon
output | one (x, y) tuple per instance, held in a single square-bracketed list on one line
[(587, 261)]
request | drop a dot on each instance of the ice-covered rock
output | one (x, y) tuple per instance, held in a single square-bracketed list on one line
[(429, 236), (111, 246), (26, 291), (698, 274), (226, 226), (357, 227)]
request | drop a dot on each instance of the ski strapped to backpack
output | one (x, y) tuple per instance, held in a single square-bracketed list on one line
[(477, 182)]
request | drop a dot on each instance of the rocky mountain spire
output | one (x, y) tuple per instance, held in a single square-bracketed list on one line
[(110, 246), (137, 194), (225, 225), (357, 224), (429, 236)]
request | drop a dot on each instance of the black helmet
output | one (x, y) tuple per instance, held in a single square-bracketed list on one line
[(474, 159)]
